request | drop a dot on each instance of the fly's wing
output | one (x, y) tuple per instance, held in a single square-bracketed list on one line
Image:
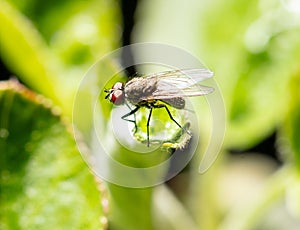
[(192, 91), (185, 77), (181, 83)]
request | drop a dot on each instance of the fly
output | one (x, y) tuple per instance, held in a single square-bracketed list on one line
[(156, 90)]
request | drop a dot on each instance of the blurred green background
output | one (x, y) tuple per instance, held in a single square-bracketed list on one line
[(253, 47)]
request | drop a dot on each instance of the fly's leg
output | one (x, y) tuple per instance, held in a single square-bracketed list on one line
[(148, 122), (171, 117), (126, 115), (132, 112)]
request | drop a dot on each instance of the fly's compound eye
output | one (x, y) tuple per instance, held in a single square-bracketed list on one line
[(117, 97), (116, 93), (118, 85)]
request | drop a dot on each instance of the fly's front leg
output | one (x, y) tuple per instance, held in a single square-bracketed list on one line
[(134, 121), (132, 112), (171, 117)]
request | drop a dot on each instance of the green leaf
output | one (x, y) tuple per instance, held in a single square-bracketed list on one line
[(44, 182)]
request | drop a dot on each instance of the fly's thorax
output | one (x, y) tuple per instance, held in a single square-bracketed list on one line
[(140, 89)]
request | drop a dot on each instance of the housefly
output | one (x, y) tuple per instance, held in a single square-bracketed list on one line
[(156, 90)]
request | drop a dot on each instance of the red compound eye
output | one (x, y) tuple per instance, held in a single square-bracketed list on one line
[(117, 97), (118, 85)]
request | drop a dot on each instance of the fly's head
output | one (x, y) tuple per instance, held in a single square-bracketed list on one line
[(116, 94)]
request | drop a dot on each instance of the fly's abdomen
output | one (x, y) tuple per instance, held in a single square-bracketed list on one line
[(176, 102)]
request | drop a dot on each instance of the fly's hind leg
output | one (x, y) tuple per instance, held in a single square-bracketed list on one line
[(171, 117)]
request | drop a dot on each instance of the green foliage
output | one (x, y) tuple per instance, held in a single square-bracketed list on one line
[(252, 46), (45, 183)]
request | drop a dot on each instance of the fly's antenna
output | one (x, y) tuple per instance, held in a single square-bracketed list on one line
[(107, 91)]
